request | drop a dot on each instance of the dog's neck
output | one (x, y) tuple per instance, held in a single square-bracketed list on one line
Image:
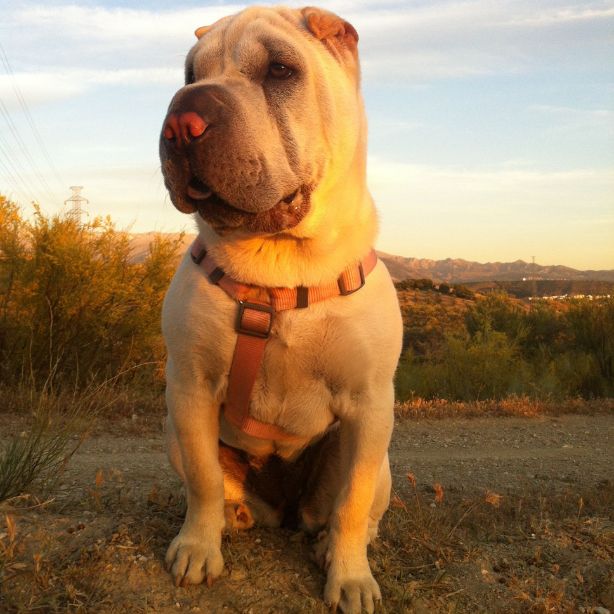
[(312, 254), (339, 231)]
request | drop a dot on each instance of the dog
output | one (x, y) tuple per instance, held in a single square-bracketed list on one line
[(282, 328)]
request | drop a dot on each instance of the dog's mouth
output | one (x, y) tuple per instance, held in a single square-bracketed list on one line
[(223, 216)]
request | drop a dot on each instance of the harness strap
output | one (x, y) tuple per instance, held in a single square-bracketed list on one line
[(257, 306)]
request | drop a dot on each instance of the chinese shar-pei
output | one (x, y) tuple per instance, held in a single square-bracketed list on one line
[(282, 328)]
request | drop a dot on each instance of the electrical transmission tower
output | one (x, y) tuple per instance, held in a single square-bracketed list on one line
[(75, 204)]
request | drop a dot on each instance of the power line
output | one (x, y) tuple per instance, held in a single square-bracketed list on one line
[(21, 145), (12, 172), (13, 162), (29, 117), (24, 150)]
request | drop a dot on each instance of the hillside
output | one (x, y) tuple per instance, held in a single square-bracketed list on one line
[(462, 271), (429, 316), (546, 287), (451, 270)]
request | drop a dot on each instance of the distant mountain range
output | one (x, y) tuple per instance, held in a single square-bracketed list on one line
[(450, 270), (455, 270)]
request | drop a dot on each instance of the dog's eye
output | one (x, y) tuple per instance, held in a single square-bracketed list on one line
[(279, 71)]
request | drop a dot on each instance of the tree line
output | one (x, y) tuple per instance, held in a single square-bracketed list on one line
[(501, 347), (76, 308)]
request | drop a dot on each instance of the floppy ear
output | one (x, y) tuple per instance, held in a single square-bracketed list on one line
[(200, 32), (331, 29)]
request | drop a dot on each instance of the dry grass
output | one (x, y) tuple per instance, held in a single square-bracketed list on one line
[(494, 553), (52, 424), (438, 551), (53, 430), (443, 547), (525, 407)]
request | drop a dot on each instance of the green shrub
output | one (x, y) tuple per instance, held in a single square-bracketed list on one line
[(485, 366), (540, 352), (497, 313), (463, 292), (75, 306), (423, 284), (591, 330)]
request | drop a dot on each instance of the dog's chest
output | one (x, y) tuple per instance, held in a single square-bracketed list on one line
[(312, 367)]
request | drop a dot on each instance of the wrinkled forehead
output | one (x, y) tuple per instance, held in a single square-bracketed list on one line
[(252, 34)]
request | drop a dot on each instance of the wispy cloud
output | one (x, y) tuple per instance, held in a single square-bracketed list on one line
[(573, 118), (124, 26), (495, 214), (416, 40), (56, 85), (429, 68), (502, 187), (546, 17)]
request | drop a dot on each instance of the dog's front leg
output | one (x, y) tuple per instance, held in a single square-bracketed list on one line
[(192, 439), (365, 435)]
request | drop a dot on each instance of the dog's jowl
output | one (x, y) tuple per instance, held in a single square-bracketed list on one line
[(282, 326)]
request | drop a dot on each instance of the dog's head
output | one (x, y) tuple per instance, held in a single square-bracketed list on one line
[(270, 113)]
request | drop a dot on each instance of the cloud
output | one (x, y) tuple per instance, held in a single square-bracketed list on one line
[(123, 26), (502, 213), (564, 15), (464, 39), (496, 189), (37, 87), (577, 119), (399, 40)]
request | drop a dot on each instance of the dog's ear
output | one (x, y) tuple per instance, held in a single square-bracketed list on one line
[(200, 32), (331, 29)]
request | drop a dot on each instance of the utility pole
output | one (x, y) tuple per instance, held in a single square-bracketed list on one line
[(75, 202), (533, 277)]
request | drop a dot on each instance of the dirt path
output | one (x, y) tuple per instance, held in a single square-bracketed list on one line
[(507, 454), (99, 544)]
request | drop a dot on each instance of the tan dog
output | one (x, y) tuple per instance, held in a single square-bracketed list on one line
[(267, 144)]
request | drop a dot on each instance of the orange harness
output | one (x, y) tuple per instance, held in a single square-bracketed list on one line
[(254, 323)]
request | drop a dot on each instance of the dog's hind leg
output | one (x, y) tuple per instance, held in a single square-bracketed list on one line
[(243, 505)]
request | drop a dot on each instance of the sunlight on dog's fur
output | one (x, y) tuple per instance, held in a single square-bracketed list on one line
[(266, 145)]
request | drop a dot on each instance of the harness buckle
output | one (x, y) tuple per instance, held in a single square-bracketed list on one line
[(343, 287), (257, 327)]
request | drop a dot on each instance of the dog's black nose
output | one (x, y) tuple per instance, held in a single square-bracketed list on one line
[(183, 127)]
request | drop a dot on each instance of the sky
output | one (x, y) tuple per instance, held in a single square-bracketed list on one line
[(491, 124)]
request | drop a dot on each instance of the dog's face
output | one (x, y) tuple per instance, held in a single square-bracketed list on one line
[(270, 113)]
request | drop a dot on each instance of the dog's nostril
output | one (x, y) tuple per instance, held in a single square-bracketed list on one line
[(184, 127), (171, 127), (192, 124)]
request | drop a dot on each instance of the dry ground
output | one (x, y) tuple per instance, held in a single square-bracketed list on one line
[(505, 515)]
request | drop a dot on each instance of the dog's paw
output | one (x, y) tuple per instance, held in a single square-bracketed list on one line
[(191, 559), (351, 587)]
